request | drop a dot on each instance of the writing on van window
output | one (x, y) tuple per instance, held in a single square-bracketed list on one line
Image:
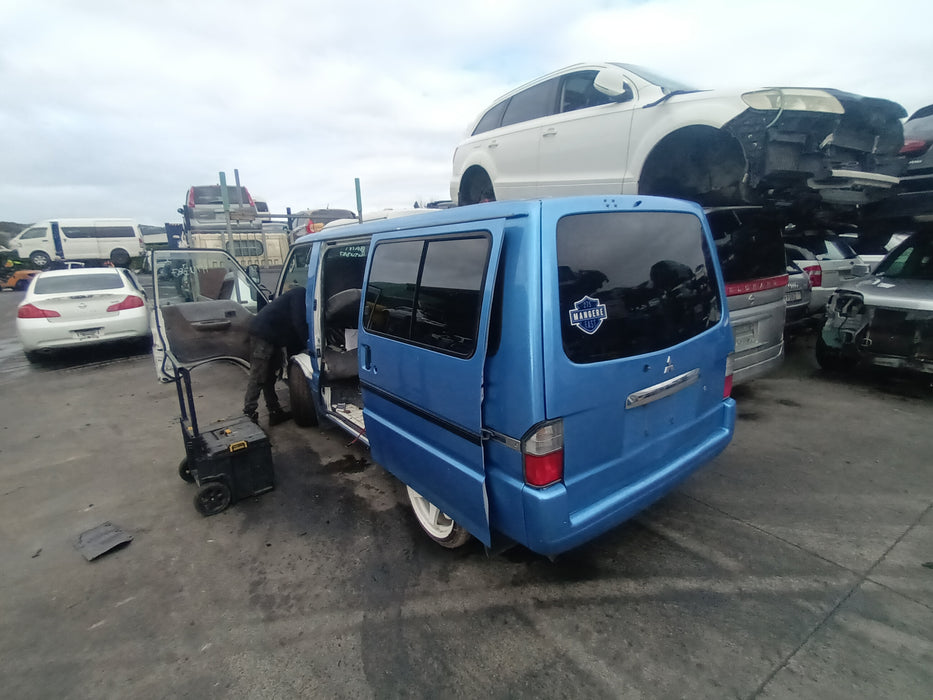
[(651, 273), (428, 292), (353, 251)]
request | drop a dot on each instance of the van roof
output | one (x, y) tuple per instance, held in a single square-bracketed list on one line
[(502, 210), (84, 220)]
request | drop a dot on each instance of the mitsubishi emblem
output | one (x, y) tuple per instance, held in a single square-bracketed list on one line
[(669, 367)]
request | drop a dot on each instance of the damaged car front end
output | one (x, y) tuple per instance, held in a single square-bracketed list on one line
[(885, 319), (840, 147)]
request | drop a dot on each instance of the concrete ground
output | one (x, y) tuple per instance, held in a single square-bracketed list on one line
[(799, 564)]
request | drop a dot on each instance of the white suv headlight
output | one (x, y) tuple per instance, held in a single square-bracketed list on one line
[(794, 99)]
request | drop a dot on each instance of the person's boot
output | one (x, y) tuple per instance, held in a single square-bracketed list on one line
[(279, 415), (252, 415)]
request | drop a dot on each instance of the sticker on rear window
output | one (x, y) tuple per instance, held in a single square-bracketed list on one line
[(588, 314)]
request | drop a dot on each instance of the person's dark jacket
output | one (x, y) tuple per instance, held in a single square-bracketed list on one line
[(282, 322)]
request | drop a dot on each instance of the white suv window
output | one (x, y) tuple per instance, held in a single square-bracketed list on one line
[(533, 103)]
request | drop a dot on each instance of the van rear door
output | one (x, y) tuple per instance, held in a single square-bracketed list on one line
[(635, 346), (422, 350)]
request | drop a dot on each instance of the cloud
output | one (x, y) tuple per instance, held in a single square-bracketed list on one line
[(115, 109)]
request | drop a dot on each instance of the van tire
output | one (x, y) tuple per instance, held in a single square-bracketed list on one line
[(299, 397), (40, 259), (440, 528), (119, 257)]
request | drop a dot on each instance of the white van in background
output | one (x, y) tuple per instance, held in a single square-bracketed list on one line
[(114, 240)]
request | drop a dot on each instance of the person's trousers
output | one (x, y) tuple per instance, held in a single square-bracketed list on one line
[(262, 367)]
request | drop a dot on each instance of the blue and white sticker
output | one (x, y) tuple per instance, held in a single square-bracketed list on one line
[(588, 314)]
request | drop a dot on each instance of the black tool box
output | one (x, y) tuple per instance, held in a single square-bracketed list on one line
[(229, 462)]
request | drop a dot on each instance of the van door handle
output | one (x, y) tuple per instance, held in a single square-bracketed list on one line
[(365, 357), (493, 144), (550, 132)]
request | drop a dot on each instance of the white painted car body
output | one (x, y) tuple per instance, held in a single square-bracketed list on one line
[(610, 128), (82, 306)]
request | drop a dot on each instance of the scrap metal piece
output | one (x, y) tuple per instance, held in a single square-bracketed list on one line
[(100, 540)]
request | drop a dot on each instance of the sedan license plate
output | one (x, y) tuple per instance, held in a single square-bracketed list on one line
[(793, 296), (87, 333), (745, 337)]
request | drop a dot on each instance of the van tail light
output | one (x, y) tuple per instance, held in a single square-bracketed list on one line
[(33, 311), (131, 302), (543, 452), (914, 148), (727, 387), (815, 273), (191, 198), (249, 198)]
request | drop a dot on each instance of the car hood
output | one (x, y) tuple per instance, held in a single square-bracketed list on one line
[(910, 294)]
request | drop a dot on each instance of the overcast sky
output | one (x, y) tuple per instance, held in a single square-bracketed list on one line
[(116, 108)]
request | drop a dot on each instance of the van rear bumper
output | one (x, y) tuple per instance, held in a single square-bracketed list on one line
[(551, 529)]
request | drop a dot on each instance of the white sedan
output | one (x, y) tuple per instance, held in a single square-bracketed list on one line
[(81, 306)]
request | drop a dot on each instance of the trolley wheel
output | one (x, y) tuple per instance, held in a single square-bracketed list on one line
[(212, 498), (184, 471)]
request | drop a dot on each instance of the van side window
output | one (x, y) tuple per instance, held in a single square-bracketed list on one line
[(429, 292), (115, 232), (631, 283), (37, 232), (79, 231)]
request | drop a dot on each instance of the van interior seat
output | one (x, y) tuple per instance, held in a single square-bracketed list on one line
[(341, 313)]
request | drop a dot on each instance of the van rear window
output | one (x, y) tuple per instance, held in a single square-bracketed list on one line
[(631, 283), (749, 244)]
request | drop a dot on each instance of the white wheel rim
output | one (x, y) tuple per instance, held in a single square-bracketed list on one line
[(436, 523)]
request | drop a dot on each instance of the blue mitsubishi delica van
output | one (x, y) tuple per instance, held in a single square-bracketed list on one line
[(534, 372)]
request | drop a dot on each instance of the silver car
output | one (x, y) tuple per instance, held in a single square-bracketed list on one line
[(751, 254), (826, 258), (885, 319)]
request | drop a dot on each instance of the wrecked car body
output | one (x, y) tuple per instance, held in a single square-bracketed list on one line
[(885, 319), (611, 128)]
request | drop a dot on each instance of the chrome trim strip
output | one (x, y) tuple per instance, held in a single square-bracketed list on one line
[(660, 391), (509, 442)]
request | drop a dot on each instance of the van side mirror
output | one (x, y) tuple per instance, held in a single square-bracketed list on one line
[(611, 82), (252, 271)]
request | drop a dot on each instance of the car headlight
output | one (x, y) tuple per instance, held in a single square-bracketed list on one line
[(794, 99)]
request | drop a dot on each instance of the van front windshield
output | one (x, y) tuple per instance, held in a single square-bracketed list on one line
[(633, 283)]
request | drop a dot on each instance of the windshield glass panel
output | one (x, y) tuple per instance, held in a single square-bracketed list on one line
[(632, 283), (824, 246), (68, 284), (667, 84), (912, 260)]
